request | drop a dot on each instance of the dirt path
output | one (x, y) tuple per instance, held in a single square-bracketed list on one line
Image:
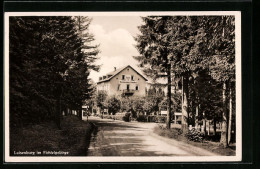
[(118, 138)]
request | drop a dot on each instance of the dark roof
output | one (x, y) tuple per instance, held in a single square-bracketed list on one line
[(113, 73)]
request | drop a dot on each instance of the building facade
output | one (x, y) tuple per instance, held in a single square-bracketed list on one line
[(124, 81), (161, 88)]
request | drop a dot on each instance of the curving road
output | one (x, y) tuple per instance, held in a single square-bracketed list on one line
[(118, 138)]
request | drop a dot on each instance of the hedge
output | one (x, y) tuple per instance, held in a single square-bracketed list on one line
[(140, 118)]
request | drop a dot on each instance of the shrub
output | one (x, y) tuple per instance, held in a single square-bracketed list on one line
[(195, 135), (151, 118), (113, 104), (141, 118), (118, 117), (161, 119), (105, 116), (126, 117), (170, 133), (174, 133)]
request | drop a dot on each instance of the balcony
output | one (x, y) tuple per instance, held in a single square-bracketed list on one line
[(128, 92)]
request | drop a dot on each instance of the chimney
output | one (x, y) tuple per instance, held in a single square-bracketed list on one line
[(114, 68)]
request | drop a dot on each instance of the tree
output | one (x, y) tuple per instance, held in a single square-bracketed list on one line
[(91, 102), (49, 68), (62, 45), (223, 67), (199, 44), (182, 32), (80, 87), (152, 104), (175, 102), (156, 58), (113, 104), (138, 105), (206, 99), (88, 49), (165, 44), (127, 104), (194, 46), (44, 52), (217, 46), (100, 99)]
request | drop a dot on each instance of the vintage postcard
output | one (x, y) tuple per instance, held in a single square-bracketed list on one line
[(122, 86)]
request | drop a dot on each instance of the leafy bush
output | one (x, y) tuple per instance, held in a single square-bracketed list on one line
[(106, 116), (118, 117), (170, 133), (126, 117), (113, 104), (151, 118), (141, 118), (161, 119), (195, 135)]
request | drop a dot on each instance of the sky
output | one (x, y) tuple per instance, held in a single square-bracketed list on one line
[(115, 35)]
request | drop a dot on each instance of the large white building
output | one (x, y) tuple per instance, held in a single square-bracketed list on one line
[(124, 81)]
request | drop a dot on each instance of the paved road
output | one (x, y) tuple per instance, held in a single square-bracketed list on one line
[(118, 138)]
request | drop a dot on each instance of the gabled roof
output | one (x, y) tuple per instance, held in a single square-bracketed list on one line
[(114, 73)]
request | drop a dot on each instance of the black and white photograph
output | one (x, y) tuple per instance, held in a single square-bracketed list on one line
[(123, 86)]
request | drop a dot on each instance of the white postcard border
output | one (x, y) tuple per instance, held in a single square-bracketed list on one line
[(237, 157)]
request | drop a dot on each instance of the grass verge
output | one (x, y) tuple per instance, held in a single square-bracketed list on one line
[(46, 139), (212, 146)]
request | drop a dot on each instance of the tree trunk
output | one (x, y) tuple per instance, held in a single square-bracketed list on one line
[(208, 128), (168, 121), (184, 121), (58, 112), (175, 88), (197, 116), (223, 139), (62, 109), (80, 112), (66, 111), (204, 126), (230, 115), (215, 126)]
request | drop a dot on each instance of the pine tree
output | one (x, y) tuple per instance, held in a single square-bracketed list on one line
[(155, 58), (82, 64), (48, 67)]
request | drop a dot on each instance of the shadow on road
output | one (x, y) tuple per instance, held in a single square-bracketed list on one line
[(114, 138)]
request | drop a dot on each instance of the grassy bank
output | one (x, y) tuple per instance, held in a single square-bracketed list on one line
[(45, 138), (207, 144)]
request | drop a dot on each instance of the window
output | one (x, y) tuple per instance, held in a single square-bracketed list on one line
[(118, 87), (127, 87), (123, 77), (136, 87), (132, 77)]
